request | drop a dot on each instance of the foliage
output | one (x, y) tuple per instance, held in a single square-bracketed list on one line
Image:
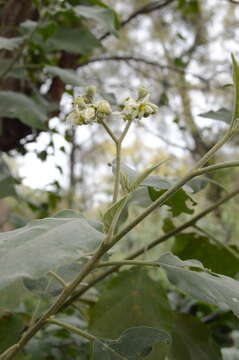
[(57, 300)]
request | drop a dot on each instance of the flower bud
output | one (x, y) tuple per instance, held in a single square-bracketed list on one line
[(79, 101), (154, 108), (89, 114), (130, 109), (90, 94), (104, 107), (142, 93)]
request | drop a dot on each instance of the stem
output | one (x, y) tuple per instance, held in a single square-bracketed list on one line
[(58, 278), (215, 167), (72, 329), (117, 172), (128, 262), (154, 243), (109, 131)]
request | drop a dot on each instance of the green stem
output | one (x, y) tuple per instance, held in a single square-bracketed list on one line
[(215, 167), (128, 262), (109, 131), (117, 172), (72, 329)]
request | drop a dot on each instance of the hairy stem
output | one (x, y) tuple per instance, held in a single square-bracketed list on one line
[(73, 329), (117, 172), (128, 262)]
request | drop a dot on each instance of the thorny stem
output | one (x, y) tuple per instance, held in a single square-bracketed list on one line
[(104, 248), (73, 329)]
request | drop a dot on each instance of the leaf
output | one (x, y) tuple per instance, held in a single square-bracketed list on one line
[(11, 326), (212, 255), (221, 114), (112, 215), (192, 340), (66, 75), (133, 293), (16, 105), (104, 15), (192, 278), (16, 71), (154, 186), (143, 176), (199, 183), (177, 202), (44, 245), (10, 43), (134, 344), (6, 181), (75, 40)]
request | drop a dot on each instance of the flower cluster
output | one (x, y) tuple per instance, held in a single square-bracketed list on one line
[(139, 108), (84, 111)]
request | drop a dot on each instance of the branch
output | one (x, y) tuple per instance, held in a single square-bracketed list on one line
[(147, 9), (215, 167), (141, 60), (128, 262)]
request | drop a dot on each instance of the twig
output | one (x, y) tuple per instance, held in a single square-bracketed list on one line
[(147, 9), (73, 329), (140, 60), (128, 262)]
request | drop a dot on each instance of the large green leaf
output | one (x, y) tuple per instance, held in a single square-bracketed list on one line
[(44, 245), (192, 340), (16, 105), (104, 15), (67, 76), (6, 181), (131, 299), (75, 40), (10, 43), (11, 326), (215, 257), (134, 344), (192, 278)]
